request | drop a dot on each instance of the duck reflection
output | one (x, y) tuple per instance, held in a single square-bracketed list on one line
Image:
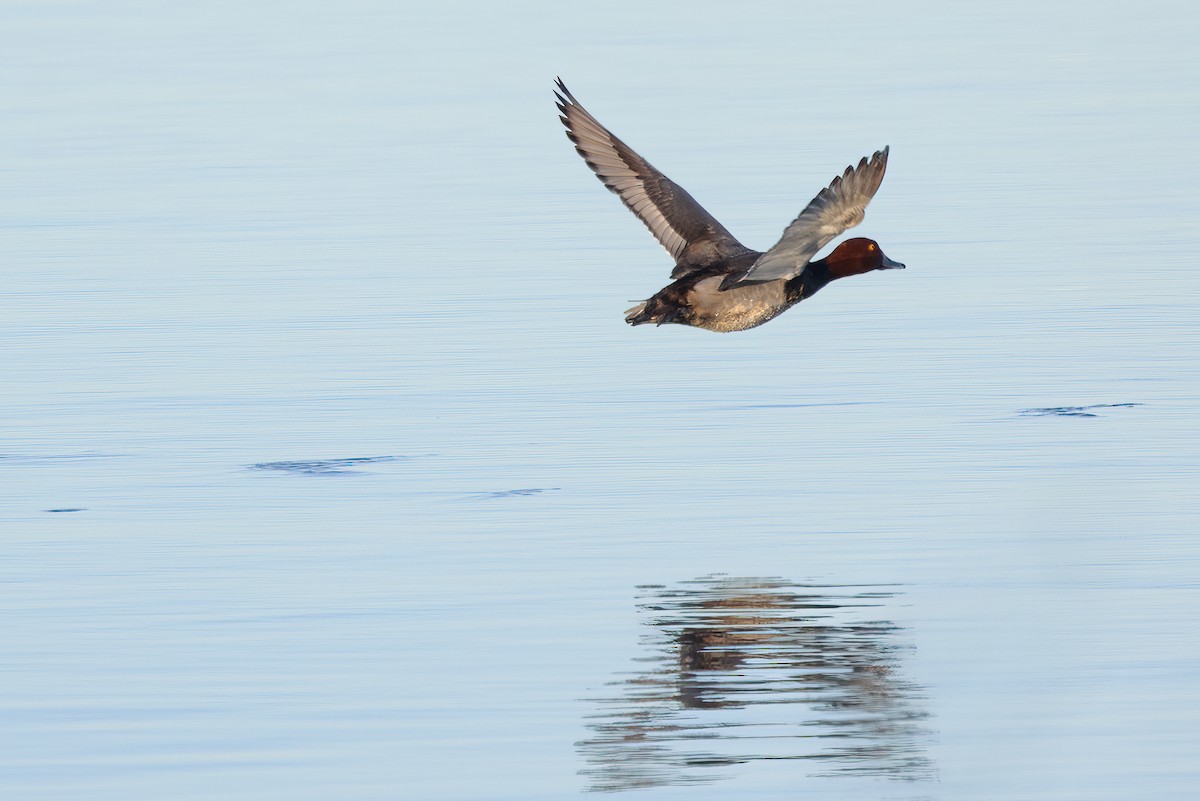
[(743, 669)]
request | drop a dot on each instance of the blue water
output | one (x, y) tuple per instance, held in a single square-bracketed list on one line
[(328, 468)]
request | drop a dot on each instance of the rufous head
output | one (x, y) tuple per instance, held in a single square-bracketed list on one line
[(857, 256)]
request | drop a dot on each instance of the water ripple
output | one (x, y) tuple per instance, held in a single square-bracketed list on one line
[(324, 467), (1073, 411)]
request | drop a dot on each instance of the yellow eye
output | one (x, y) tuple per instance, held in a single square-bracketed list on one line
[(870, 247)]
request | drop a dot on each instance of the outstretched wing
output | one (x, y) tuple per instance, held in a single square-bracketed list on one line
[(839, 206), (690, 234)]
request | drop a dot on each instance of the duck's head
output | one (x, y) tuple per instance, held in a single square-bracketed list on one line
[(857, 256)]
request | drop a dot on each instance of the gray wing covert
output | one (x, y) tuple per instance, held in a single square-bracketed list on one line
[(839, 206)]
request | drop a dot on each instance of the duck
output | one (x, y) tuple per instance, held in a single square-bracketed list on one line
[(719, 284)]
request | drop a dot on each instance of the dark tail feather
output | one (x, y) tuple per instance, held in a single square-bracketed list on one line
[(651, 311), (638, 315), (660, 310)]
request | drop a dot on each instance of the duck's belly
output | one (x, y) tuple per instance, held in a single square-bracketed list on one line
[(735, 309)]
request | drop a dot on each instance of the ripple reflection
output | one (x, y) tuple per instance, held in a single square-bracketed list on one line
[(743, 669)]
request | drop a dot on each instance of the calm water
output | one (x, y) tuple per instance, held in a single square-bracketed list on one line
[(330, 470)]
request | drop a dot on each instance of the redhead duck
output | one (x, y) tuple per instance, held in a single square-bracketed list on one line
[(719, 283)]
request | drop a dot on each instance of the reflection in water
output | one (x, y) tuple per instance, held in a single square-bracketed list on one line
[(739, 669)]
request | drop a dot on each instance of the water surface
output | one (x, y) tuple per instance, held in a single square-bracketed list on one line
[(330, 470)]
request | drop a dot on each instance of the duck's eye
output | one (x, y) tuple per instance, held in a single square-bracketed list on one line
[(870, 247)]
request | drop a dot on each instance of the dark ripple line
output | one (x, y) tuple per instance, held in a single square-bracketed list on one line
[(320, 467), (1073, 411)]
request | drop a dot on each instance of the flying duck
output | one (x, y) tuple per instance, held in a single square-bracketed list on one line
[(719, 283)]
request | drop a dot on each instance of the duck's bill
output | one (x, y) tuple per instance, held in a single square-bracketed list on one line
[(889, 264)]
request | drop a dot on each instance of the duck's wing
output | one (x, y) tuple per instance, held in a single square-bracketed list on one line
[(839, 206), (690, 234)]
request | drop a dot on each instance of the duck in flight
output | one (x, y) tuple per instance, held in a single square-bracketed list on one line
[(719, 283)]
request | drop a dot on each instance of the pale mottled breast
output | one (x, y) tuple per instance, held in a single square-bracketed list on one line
[(735, 309)]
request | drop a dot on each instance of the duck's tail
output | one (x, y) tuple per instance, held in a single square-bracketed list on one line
[(651, 311), (638, 314)]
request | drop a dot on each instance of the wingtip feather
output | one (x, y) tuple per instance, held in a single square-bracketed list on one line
[(564, 94)]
